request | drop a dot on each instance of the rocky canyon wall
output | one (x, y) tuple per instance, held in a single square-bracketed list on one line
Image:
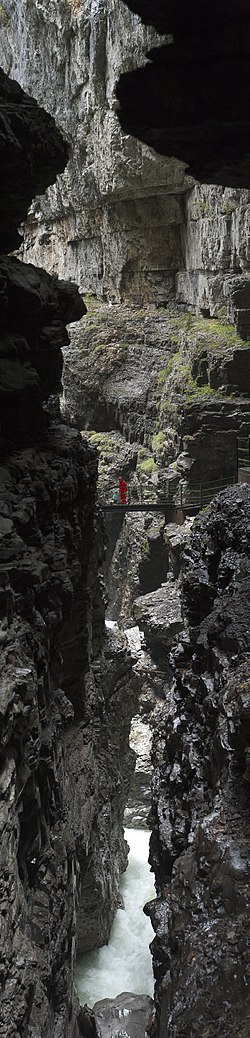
[(122, 221), (112, 221), (200, 814), (64, 717)]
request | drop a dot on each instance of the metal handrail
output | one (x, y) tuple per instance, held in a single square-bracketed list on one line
[(243, 452), (195, 495)]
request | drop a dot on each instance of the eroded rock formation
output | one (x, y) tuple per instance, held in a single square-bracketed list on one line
[(177, 388), (65, 761), (112, 221), (200, 840), (32, 152), (65, 775), (121, 220)]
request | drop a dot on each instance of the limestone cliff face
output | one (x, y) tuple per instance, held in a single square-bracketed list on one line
[(215, 239), (64, 718), (121, 220), (117, 207)]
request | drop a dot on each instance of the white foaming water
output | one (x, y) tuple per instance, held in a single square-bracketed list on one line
[(125, 963)]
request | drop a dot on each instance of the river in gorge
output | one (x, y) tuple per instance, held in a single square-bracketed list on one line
[(124, 964)]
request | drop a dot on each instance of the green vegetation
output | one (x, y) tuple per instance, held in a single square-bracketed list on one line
[(104, 446), (148, 466), (158, 441), (4, 16), (211, 332), (204, 208), (90, 300), (165, 372), (204, 344), (227, 208)]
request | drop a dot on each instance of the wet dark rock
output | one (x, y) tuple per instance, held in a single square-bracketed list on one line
[(35, 311), (66, 705), (64, 719), (86, 1022), (176, 538), (138, 563), (159, 614), (126, 1016), (32, 153), (200, 816), (34, 308)]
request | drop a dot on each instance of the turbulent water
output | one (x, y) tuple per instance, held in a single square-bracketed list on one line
[(125, 963)]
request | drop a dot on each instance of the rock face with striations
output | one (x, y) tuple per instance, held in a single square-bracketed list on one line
[(112, 221), (200, 839), (122, 221), (64, 718)]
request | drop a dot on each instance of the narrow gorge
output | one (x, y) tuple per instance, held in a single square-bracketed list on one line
[(125, 628)]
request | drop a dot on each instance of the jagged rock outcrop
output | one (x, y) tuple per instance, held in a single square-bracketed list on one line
[(159, 615), (64, 733), (183, 102), (32, 152), (134, 1010), (64, 718), (34, 310), (200, 840)]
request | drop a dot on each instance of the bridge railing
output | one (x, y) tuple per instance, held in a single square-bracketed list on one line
[(200, 494), (193, 495), (243, 452)]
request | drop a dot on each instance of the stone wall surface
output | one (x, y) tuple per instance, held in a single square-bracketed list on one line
[(64, 716), (175, 387), (215, 240), (165, 399), (200, 818), (117, 208), (121, 220), (65, 762), (32, 151), (178, 389)]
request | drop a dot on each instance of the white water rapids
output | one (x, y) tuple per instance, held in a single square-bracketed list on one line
[(124, 964)]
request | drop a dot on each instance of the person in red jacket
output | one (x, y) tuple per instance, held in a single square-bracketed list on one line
[(123, 490)]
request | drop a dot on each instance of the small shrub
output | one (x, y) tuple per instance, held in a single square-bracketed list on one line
[(227, 208), (158, 441), (203, 208), (148, 466)]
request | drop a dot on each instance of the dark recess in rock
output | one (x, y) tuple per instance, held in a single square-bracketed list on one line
[(32, 153), (184, 102)]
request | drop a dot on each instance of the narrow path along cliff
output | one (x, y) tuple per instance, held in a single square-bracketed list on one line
[(124, 635)]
